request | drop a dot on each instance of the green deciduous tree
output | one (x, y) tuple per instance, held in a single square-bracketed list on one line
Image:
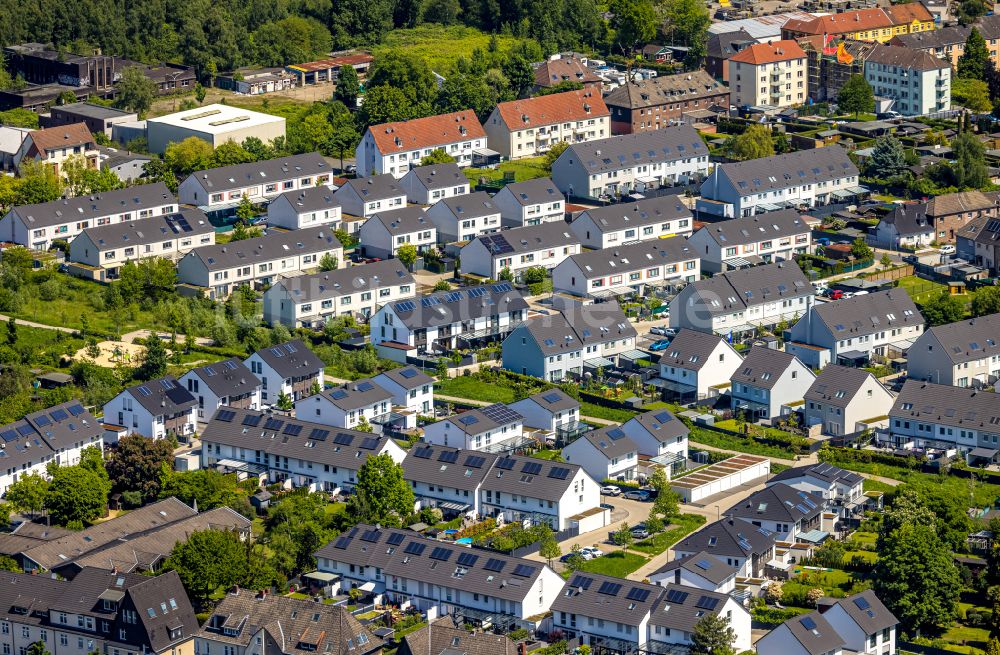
[(557, 148), (970, 161), (437, 156), (549, 548), (972, 94), (154, 359), (943, 308), (77, 493), (860, 249), (206, 487), (754, 143), (856, 96), (208, 561), (623, 537), (348, 87), (975, 58), (190, 155), (407, 254), (344, 135), (328, 263), (136, 92), (28, 493), (135, 464), (408, 73), (713, 635), (987, 301), (688, 21), (382, 495), (634, 22)]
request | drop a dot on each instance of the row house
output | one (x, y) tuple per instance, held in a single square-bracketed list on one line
[(551, 410), (349, 405), (620, 165), (425, 185), (367, 196), (395, 148), (100, 252), (905, 226), (218, 270), (876, 24), (312, 300), (663, 101), (629, 268), (492, 429), (440, 576), (38, 226), (780, 509), (218, 191), (290, 451), (605, 453), (411, 389), (563, 344), (529, 127), (929, 415), (288, 369), (697, 364), (746, 548), (661, 436), (227, 383), (963, 354), (386, 232), (844, 400), (309, 207), (531, 202), (700, 570), (766, 381), (55, 434), (794, 179), (463, 218), (440, 321), (642, 220), (948, 43), (518, 249), (977, 243), (157, 409), (856, 624), (832, 485), (743, 300), (748, 240)]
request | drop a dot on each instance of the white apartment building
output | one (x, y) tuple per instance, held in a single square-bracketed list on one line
[(289, 368), (395, 148), (917, 81), (642, 220), (773, 74), (386, 232), (228, 383), (531, 126), (365, 197), (963, 354), (628, 268), (739, 242)]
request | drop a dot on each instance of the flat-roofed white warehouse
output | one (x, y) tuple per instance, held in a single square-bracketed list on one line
[(213, 123), (719, 477)]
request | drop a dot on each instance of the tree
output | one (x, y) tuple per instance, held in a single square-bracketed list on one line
[(199, 92), (942, 309), (442, 12), (384, 104), (437, 156), (407, 254), (623, 537), (344, 134), (243, 231), (575, 560), (284, 401), (77, 493), (549, 547), (713, 635), (689, 21), (190, 155), (885, 261), (208, 561), (363, 425), (348, 87), (409, 73), (11, 330), (136, 92), (207, 488), (917, 579), (37, 648), (754, 143), (558, 148), (856, 96), (28, 493), (993, 647), (135, 464), (860, 250), (987, 301), (382, 495), (970, 162), (506, 274), (230, 153), (245, 210), (888, 158), (667, 503), (975, 60), (154, 359), (634, 23), (974, 95), (442, 285), (328, 263)]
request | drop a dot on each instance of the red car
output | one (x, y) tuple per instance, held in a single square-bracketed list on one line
[(835, 294)]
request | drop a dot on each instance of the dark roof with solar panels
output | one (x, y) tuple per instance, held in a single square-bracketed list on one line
[(530, 476), (447, 466), (42, 434), (607, 598), (447, 307), (163, 397)]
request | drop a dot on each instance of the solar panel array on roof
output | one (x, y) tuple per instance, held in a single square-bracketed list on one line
[(414, 548), (551, 397), (405, 306), (582, 582), (703, 564), (273, 424), (707, 603), (371, 536), (343, 439), (338, 394), (524, 571), (474, 461), (468, 420), (638, 594), (319, 434), (500, 414), (676, 596), (441, 553), (253, 420), (448, 456), (494, 564), (531, 468), (395, 538), (369, 443), (42, 420), (808, 623), (408, 373), (467, 559), (225, 415), (559, 472), (609, 588), (292, 429), (365, 386), (862, 603), (506, 463), (423, 452), (75, 410)]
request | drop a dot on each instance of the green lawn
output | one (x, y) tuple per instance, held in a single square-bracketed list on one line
[(607, 413), (921, 290), (617, 564), (680, 527), (47, 347), (469, 386), (731, 442), (524, 169), (440, 46), (552, 455), (966, 639)]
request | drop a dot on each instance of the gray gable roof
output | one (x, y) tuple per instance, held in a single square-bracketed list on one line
[(533, 192), (837, 385), (762, 367), (447, 307), (345, 281), (483, 419), (628, 150), (865, 609), (355, 395), (163, 397), (275, 244), (728, 537), (970, 339), (788, 170), (408, 377), (776, 503), (610, 441), (641, 255), (734, 291), (909, 218), (681, 607), (608, 598), (703, 564), (760, 227), (662, 425), (438, 176), (690, 349), (868, 314), (229, 377), (443, 637), (450, 467), (471, 205), (554, 400), (530, 476), (529, 238), (960, 407), (376, 187), (826, 472), (81, 208), (404, 220), (579, 326), (238, 176), (815, 633), (311, 199), (291, 359), (648, 211), (43, 433), (155, 229)]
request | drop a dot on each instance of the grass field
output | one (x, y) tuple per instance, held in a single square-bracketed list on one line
[(607, 413), (680, 527), (617, 563), (440, 46), (524, 169), (468, 386), (46, 346), (551, 455), (921, 290), (730, 442)]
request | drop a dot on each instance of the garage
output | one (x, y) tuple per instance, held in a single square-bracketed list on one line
[(720, 477)]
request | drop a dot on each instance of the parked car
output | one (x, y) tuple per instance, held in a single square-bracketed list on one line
[(947, 249), (658, 331), (834, 294), (591, 552), (660, 344), (640, 533), (888, 115), (637, 494), (610, 490), (823, 241)]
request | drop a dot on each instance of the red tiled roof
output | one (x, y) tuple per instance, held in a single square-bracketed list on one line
[(553, 108), (768, 53), (859, 20), (64, 136), (910, 12), (427, 132), (335, 62), (564, 69)]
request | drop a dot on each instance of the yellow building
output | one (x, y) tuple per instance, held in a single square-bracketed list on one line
[(879, 24)]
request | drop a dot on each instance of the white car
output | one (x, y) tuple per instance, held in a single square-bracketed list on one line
[(591, 552), (610, 490), (947, 249)]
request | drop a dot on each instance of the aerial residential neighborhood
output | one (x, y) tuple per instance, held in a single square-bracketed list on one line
[(650, 327)]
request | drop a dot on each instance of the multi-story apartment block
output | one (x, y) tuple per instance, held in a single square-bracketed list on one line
[(439, 321), (741, 242), (628, 268), (217, 270), (218, 191), (948, 43), (963, 354), (37, 226), (99, 252), (919, 83), (57, 434), (743, 300), (289, 368), (530, 203), (566, 68), (425, 185), (386, 232), (877, 24), (463, 218), (769, 74), (156, 409), (802, 178), (309, 207), (228, 383), (662, 101), (301, 453), (395, 148), (312, 300), (642, 220), (622, 164), (531, 126), (518, 249)]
